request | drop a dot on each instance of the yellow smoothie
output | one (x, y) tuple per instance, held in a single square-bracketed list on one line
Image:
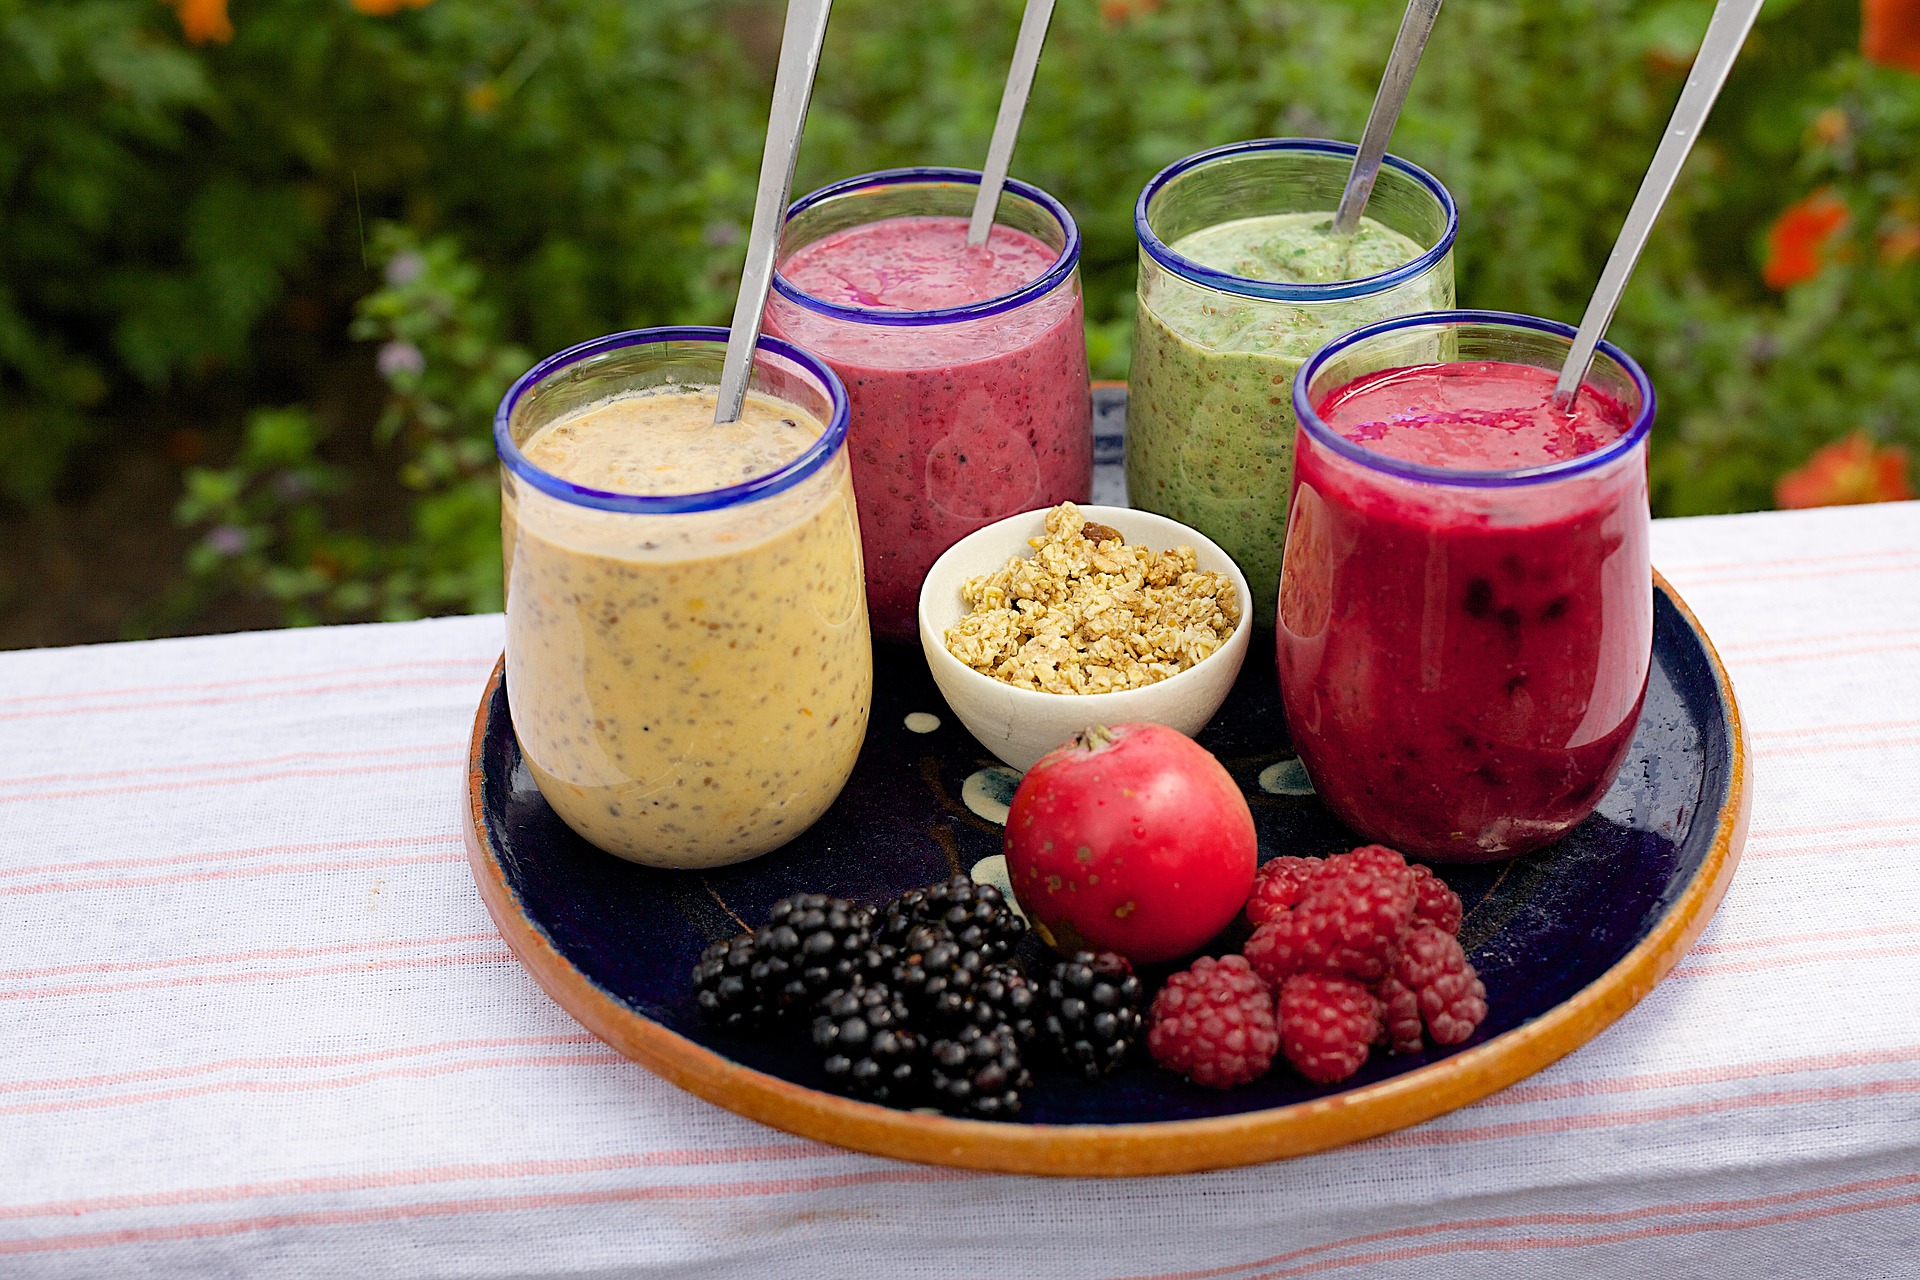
[(689, 690)]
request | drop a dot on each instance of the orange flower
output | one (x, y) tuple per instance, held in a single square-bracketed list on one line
[(1900, 233), (203, 20), (1798, 239), (1830, 128), (1115, 12), (1890, 33), (381, 8), (1847, 472)]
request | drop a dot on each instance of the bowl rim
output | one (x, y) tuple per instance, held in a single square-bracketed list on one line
[(933, 641)]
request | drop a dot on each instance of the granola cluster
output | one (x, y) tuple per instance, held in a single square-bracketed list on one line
[(1087, 613)]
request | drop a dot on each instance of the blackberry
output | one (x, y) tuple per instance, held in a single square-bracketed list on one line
[(978, 1072), (866, 1046), (1001, 997), (1092, 1011), (898, 917), (936, 974), (810, 945), (977, 915), (724, 988)]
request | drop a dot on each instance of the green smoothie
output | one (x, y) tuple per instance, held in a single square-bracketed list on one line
[(1210, 411)]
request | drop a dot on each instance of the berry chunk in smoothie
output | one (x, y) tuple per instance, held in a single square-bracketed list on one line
[(1463, 664), (957, 421)]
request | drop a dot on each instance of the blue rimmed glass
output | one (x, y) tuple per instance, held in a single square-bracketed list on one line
[(690, 673), (1209, 416), (926, 191), (962, 415), (1463, 652), (639, 359)]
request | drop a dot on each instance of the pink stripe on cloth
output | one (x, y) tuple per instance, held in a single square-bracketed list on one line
[(199, 686), (1821, 655), (422, 682), (1499, 1245), (259, 953), (1796, 750), (1563, 1219), (209, 766), (1523, 1093), (1809, 731), (264, 975), (444, 762), (1708, 567), (1778, 962), (488, 1204), (1687, 580), (231, 873), (1747, 646), (1444, 1137), (1828, 935), (605, 1058), (220, 855), (1832, 828), (295, 1062), (333, 1185)]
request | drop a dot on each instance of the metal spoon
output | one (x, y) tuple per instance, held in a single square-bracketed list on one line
[(800, 43), (1726, 32), (1395, 81), (1013, 105)]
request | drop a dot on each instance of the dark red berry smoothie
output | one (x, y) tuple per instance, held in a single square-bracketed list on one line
[(1463, 665), (956, 422)]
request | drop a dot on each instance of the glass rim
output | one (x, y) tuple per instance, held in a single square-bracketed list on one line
[(1274, 290), (1063, 265), (781, 478), (1311, 422)]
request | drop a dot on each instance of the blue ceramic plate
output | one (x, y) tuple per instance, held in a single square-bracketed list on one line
[(1566, 939)]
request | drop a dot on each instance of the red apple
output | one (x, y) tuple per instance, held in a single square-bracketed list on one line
[(1131, 839)]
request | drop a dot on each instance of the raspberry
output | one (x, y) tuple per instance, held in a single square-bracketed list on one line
[(1435, 902), (1280, 948), (1399, 1015), (1351, 921), (1280, 884), (1452, 998), (1373, 859), (1213, 1023), (1326, 1025)]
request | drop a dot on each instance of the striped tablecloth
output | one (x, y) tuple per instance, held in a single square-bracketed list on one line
[(255, 1021)]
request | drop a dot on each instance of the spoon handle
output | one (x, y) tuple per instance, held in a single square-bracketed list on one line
[(1006, 129), (1726, 32), (1395, 82), (800, 43)]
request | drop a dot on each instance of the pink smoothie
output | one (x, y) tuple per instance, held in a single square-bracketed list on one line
[(956, 424), (1462, 666)]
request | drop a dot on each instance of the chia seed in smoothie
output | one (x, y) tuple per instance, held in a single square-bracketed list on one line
[(689, 690), (955, 424), (1209, 414), (1463, 666)]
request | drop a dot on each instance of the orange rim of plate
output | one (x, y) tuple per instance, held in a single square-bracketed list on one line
[(1152, 1147)]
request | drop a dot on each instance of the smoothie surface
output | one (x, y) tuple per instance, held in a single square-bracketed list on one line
[(1473, 415), (666, 442), (916, 264), (1295, 248)]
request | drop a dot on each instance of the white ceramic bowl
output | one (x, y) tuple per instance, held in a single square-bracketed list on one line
[(1021, 725)]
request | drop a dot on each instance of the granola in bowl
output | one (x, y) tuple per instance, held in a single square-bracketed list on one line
[(1088, 612)]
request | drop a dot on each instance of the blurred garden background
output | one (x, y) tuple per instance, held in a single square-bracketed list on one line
[(267, 265)]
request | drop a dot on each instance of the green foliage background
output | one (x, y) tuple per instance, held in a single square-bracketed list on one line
[(463, 186)]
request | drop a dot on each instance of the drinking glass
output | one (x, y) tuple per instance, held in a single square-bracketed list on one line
[(1463, 654), (689, 674)]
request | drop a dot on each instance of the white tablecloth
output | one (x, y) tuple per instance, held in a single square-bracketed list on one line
[(256, 1022)]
